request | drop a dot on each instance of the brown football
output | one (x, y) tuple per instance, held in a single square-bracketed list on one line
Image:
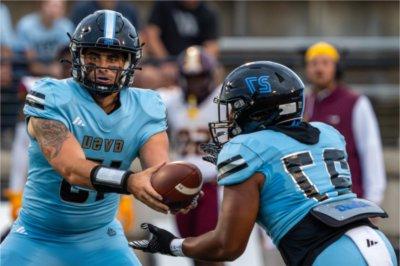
[(178, 183)]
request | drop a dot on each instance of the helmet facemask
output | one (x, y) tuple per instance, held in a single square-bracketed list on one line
[(226, 127), (123, 77)]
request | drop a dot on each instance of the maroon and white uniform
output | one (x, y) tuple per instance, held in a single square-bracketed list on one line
[(188, 127), (352, 115)]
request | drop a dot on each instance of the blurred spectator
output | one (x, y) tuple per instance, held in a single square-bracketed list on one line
[(9, 101), (176, 25), (190, 107), (6, 30), (85, 8), (42, 33), (333, 103), (6, 76)]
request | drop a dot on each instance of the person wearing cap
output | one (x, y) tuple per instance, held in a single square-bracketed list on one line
[(351, 113)]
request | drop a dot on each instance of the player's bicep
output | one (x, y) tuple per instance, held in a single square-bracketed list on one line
[(55, 140), (239, 212)]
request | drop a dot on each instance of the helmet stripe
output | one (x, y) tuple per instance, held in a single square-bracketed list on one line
[(109, 24)]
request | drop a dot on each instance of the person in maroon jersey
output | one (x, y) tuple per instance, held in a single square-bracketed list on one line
[(349, 112), (189, 108)]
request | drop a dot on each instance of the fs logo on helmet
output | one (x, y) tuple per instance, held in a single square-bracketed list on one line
[(261, 84)]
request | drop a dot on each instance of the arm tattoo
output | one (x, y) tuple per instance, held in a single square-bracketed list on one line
[(51, 135)]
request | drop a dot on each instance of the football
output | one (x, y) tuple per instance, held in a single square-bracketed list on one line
[(178, 183)]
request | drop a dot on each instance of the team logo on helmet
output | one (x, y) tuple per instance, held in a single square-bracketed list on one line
[(259, 84)]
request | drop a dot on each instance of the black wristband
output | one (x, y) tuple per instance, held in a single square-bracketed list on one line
[(108, 180)]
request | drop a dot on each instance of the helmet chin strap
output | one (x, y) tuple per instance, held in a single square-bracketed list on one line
[(91, 84), (100, 94)]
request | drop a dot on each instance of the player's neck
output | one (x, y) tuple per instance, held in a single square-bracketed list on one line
[(108, 103)]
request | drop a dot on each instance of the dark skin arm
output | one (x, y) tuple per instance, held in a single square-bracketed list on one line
[(235, 222)]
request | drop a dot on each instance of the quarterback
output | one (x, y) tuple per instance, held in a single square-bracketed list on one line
[(85, 131), (289, 176)]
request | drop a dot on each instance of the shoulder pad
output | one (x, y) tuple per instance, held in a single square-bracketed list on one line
[(58, 90), (153, 113), (328, 130), (236, 163), (46, 99), (151, 103)]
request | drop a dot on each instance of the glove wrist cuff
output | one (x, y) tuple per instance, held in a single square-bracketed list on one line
[(176, 247)]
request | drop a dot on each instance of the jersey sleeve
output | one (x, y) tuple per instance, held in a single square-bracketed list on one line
[(42, 101), (156, 120), (237, 163)]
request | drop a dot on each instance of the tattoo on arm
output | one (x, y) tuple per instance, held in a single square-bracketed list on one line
[(51, 135)]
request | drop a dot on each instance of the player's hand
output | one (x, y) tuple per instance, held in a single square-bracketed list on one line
[(159, 240), (193, 204), (140, 186), (212, 150)]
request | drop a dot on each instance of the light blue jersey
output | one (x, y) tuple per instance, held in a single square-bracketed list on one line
[(297, 176), (50, 203)]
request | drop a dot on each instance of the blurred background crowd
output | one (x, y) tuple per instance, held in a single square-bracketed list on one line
[(347, 52)]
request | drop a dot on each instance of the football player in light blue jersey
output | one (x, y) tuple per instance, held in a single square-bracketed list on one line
[(85, 131), (287, 175)]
